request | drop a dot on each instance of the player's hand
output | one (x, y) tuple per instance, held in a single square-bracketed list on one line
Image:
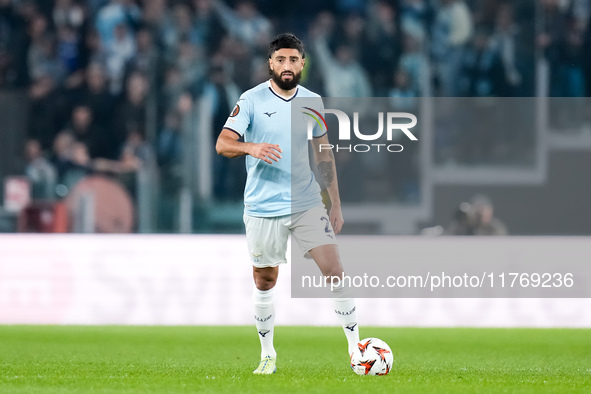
[(336, 218), (266, 152)]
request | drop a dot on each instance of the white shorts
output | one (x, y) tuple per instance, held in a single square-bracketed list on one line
[(267, 237)]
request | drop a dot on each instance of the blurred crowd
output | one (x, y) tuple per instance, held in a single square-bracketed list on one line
[(99, 73)]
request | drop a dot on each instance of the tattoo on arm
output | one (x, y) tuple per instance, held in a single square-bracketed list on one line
[(325, 168)]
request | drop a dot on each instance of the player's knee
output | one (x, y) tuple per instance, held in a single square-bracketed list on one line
[(333, 273), (265, 279), (265, 282)]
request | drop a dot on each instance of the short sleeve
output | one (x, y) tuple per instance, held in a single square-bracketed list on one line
[(239, 119)]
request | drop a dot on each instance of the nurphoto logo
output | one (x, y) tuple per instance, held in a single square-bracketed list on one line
[(394, 124)]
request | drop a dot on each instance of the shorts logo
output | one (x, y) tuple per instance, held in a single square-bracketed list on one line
[(235, 111), (327, 229), (255, 257)]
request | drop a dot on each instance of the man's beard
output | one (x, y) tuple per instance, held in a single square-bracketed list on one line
[(288, 84)]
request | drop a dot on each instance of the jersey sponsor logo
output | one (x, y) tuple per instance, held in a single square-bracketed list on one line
[(235, 111), (270, 113)]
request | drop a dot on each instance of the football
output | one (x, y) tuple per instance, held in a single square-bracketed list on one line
[(372, 357)]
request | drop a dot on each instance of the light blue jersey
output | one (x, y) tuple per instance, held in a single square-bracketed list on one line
[(287, 186)]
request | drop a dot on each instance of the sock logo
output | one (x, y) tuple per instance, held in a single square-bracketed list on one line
[(352, 328), (262, 333), (262, 319), (345, 313)]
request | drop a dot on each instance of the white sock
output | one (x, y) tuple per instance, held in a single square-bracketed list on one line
[(345, 310), (264, 315)]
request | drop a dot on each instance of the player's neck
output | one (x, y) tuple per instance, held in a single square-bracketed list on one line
[(287, 94)]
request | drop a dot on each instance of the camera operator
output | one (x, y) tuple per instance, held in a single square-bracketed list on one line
[(476, 218)]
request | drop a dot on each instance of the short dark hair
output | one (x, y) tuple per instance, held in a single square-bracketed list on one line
[(286, 40)]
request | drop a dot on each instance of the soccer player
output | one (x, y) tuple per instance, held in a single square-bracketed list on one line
[(274, 178)]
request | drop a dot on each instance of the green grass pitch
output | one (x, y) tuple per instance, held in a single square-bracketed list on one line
[(116, 359)]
